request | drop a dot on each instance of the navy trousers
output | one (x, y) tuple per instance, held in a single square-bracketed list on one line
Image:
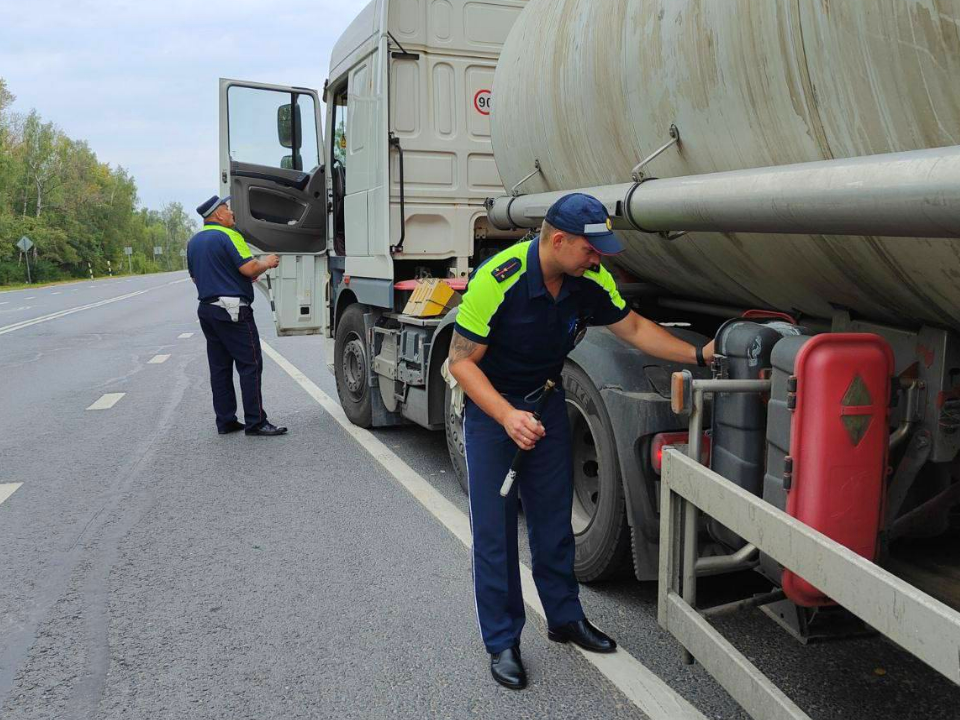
[(233, 343), (545, 483)]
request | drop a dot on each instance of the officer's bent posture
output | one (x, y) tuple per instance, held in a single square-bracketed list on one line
[(224, 269), (518, 320)]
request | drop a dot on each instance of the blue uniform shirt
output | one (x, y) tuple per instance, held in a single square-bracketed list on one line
[(214, 256), (528, 332)]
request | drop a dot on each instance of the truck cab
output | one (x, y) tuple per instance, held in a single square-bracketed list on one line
[(393, 193)]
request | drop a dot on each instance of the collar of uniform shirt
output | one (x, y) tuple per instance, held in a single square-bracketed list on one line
[(535, 286)]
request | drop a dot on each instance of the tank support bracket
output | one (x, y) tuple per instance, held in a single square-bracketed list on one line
[(637, 172), (515, 190)]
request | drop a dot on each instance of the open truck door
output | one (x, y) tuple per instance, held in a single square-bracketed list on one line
[(271, 166)]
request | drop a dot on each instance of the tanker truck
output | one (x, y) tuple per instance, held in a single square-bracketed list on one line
[(786, 179)]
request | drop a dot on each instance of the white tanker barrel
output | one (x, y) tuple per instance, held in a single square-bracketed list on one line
[(907, 194), (588, 88)]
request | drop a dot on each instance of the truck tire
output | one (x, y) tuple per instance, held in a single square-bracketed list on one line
[(453, 427), (599, 511), (350, 365)]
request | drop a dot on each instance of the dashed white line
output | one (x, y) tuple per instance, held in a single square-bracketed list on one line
[(8, 489), (4, 302), (157, 359), (637, 682), (107, 401), (57, 293), (184, 336), (32, 297)]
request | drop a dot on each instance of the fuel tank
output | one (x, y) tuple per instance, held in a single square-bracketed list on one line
[(590, 87)]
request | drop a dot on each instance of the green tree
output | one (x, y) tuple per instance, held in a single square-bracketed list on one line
[(80, 213)]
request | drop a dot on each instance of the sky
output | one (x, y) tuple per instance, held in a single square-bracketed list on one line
[(138, 80)]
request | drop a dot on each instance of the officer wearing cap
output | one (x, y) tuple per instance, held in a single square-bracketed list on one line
[(519, 319), (224, 269)]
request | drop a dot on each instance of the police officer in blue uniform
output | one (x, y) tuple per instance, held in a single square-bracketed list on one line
[(519, 318), (224, 270)]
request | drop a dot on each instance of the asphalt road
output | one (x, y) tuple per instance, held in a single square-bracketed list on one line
[(153, 569)]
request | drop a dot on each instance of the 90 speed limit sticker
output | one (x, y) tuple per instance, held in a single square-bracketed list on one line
[(482, 101)]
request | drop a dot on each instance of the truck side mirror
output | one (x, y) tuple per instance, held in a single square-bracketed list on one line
[(287, 162), (289, 130)]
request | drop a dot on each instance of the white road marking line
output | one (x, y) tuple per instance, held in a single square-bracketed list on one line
[(57, 293), (4, 302), (32, 297), (63, 313), (184, 336), (8, 489), (641, 686), (157, 359), (107, 401)]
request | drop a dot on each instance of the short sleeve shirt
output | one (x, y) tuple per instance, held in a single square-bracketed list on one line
[(528, 333), (214, 256)]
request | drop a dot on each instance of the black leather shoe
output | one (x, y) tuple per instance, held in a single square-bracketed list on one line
[(507, 668), (268, 430), (582, 633), (230, 427)]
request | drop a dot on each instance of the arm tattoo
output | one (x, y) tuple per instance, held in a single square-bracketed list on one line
[(461, 347)]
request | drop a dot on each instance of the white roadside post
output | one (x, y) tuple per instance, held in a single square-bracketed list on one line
[(128, 251)]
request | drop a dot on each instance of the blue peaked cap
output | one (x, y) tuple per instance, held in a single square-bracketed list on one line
[(206, 208), (584, 215)]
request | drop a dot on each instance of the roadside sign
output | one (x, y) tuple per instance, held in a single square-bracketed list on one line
[(183, 252), (25, 244), (483, 101), (128, 251), (157, 250)]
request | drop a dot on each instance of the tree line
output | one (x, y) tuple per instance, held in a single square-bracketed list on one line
[(80, 213)]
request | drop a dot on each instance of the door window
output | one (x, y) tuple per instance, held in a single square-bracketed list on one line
[(340, 122), (272, 128)]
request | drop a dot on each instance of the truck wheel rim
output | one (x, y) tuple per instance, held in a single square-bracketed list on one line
[(455, 428), (586, 468), (354, 365)]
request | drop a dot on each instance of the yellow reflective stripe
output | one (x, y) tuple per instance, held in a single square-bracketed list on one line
[(485, 294), (604, 279), (236, 238)]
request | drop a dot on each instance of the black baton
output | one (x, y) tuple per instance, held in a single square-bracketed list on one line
[(518, 458)]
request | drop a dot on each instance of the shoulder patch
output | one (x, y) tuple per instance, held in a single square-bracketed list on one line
[(507, 269)]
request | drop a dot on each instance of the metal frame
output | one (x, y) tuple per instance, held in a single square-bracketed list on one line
[(915, 621)]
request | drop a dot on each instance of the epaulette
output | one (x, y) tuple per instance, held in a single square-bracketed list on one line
[(507, 269)]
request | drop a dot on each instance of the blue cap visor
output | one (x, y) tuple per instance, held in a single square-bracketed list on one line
[(605, 243)]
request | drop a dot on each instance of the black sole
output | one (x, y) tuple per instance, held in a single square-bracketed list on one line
[(561, 639), (510, 686)]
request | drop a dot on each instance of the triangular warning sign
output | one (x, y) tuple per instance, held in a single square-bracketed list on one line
[(857, 395)]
